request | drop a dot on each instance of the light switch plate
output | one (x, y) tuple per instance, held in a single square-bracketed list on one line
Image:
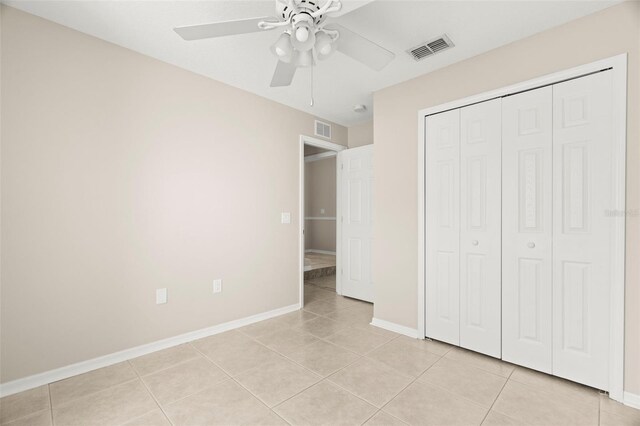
[(286, 218), (161, 296), (321, 211), (217, 286)]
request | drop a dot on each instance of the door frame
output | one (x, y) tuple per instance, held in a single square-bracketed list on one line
[(319, 143), (618, 66)]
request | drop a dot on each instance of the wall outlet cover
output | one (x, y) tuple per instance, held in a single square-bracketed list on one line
[(217, 286), (161, 296), (286, 218)]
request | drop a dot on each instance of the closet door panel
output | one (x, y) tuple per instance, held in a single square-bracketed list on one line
[(582, 168), (480, 224), (526, 229), (443, 229)]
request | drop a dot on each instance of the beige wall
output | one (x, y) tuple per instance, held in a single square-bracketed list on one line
[(361, 134), (608, 33), (320, 193), (122, 174)]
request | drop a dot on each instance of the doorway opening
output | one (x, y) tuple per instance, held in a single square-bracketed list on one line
[(319, 212)]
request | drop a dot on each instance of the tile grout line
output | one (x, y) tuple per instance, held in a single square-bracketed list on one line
[(53, 423), (497, 396), (239, 384), (164, 368), (371, 416), (150, 393), (599, 410), (405, 388), (84, 396), (34, 412), (544, 391), (440, 357)]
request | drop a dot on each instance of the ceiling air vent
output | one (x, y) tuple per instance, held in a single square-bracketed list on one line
[(431, 47), (323, 129)]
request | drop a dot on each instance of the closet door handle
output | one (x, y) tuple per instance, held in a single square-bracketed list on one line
[(474, 242), (531, 245)]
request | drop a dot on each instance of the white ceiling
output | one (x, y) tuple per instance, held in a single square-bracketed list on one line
[(339, 82)]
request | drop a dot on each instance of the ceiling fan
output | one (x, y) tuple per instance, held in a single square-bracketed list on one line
[(305, 39)]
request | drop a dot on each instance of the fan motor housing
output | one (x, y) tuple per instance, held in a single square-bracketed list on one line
[(284, 12)]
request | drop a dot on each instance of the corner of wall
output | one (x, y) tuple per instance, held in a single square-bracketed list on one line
[(360, 134)]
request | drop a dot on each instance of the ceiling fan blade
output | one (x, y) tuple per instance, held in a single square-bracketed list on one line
[(221, 29), (361, 49), (283, 75)]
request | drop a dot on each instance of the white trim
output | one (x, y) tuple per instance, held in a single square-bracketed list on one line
[(320, 217), (51, 376), (319, 156), (339, 225), (615, 61), (320, 251), (308, 140), (619, 69), (618, 256), (396, 328), (422, 204), (632, 400)]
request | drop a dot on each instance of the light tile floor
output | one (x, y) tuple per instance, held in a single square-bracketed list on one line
[(322, 365)]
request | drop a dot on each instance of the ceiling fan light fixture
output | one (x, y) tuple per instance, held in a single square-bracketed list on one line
[(282, 47), (324, 45), (302, 33), (305, 42)]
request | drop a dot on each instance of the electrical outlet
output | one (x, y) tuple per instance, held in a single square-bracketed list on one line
[(161, 296), (321, 211), (217, 286), (285, 218)]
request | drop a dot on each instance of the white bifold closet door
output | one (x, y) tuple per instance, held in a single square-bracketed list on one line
[(480, 227), (526, 229), (463, 227), (557, 180), (582, 231), (443, 227)]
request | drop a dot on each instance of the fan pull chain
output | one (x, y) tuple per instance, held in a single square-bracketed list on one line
[(311, 103)]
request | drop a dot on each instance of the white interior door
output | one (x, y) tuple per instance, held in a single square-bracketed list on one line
[(582, 170), (480, 226), (443, 227), (356, 200), (526, 229)]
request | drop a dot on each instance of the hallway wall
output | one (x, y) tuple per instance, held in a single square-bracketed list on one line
[(320, 193)]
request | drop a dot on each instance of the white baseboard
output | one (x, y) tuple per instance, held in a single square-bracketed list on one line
[(320, 251), (632, 400), (396, 328), (51, 376)]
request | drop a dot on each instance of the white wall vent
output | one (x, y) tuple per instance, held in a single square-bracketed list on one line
[(431, 47), (323, 129)]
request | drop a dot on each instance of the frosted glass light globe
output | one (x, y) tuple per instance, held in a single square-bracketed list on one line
[(302, 34)]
